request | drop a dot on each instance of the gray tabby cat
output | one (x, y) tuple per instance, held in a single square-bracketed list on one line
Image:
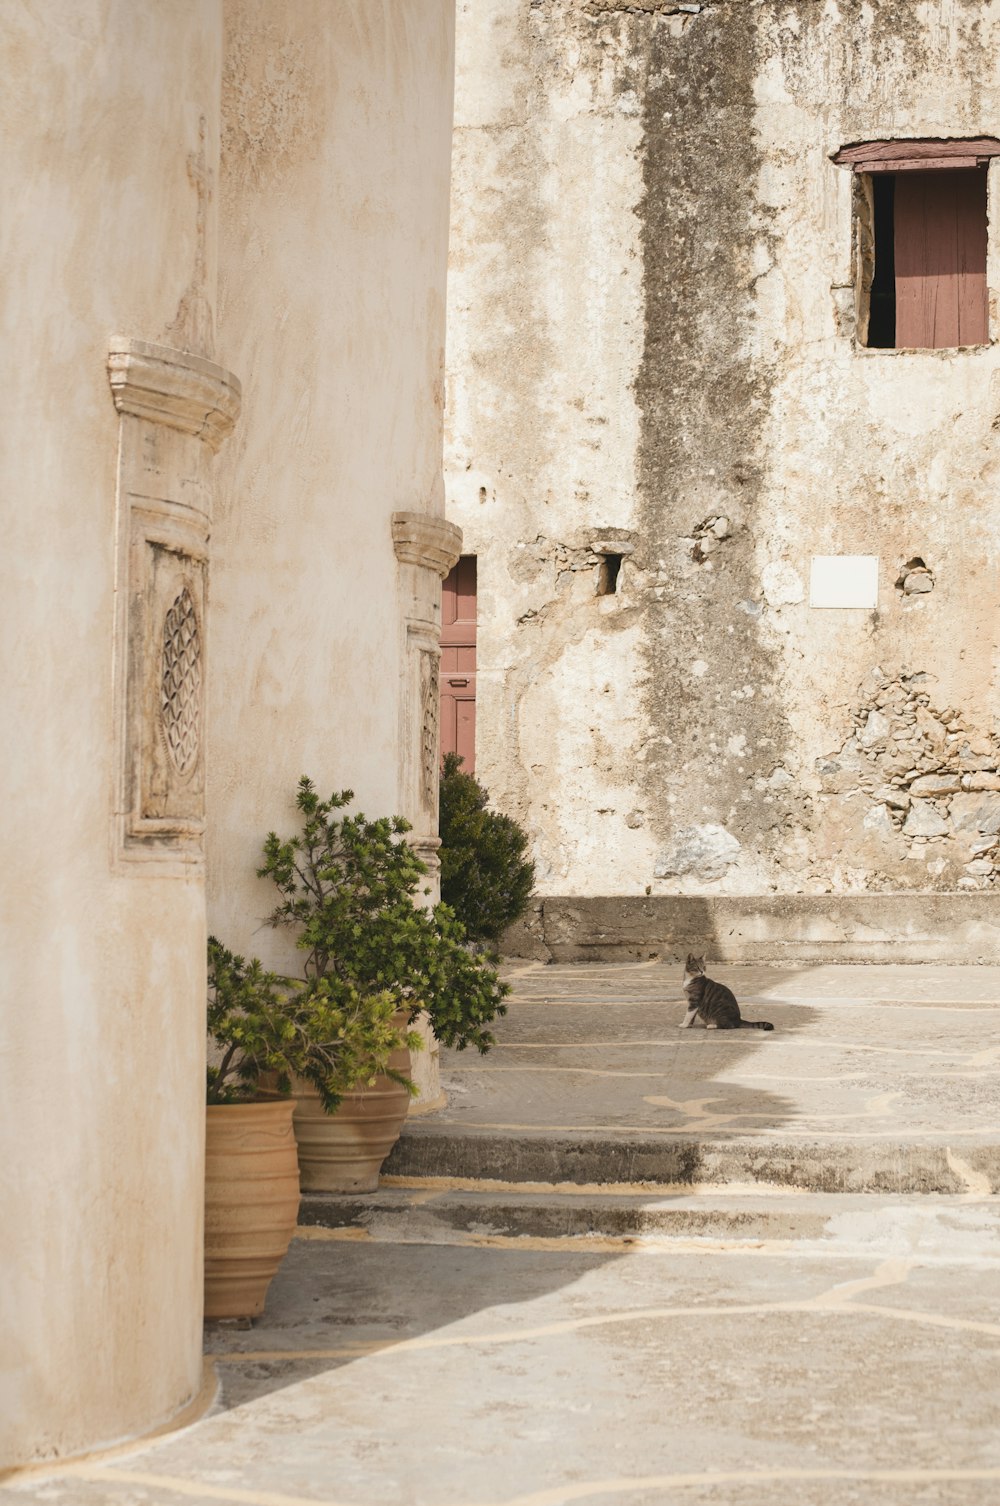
[(713, 1003)]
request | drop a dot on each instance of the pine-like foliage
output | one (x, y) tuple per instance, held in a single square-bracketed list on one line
[(485, 876)]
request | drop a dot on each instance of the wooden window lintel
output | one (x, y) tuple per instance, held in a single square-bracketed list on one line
[(923, 153)]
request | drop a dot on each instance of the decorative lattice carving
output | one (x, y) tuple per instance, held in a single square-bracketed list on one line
[(180, 685), (429, 661)]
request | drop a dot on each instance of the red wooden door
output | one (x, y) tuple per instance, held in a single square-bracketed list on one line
[(940, 246), (458, 663)]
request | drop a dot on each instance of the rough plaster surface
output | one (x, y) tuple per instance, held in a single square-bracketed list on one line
[(334, 192), (652, 331)]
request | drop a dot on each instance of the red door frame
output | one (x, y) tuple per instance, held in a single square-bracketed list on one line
[(458, 663)]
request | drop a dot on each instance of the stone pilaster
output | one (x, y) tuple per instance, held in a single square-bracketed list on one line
[(176, 409), (426, 548)]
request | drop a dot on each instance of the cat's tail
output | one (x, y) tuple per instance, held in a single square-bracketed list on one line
[(756, 1025)]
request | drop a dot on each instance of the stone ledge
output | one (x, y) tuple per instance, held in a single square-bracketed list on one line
[(793, 928), (435, 1212), (426, 540), (851, 1165), (173, 387)]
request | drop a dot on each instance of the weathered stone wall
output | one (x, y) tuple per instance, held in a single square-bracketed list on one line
[(652, 352)]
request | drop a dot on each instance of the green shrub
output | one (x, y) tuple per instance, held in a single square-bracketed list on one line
[(348, 886), (485, 876), (336, 1037)]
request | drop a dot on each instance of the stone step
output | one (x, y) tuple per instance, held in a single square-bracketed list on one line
[(442, 1212), (830, 1165)]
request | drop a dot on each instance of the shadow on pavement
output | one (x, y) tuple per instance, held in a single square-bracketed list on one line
[(337, 1302), (621, 1084)]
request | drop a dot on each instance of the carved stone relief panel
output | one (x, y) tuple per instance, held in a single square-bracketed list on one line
[(175, 411), (430, 659), (426, 547), (180, 683), (164, 713)]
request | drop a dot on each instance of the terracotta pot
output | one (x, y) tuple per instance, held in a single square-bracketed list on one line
[(251, 1203), (344, 1151)]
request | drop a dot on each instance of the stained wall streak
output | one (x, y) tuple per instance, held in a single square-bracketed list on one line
[(704, 387)]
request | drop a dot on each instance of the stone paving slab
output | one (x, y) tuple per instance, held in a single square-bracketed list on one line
[(874, 1078), (654, 1303), (536, 1373)]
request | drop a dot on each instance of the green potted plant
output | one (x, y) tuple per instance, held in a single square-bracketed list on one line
[(348, 889), (269, 1031)]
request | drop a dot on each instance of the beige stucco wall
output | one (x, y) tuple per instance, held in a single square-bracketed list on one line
[(651, 328), (102, 1028), (334, 194), (335, 131)]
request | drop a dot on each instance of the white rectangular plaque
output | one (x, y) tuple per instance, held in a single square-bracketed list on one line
[(844, 580)]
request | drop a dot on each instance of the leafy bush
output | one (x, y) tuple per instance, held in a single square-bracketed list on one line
[(485, 876), (263, 1023), (348, 887)]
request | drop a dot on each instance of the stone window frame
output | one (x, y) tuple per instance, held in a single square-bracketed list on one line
[(866, 158)]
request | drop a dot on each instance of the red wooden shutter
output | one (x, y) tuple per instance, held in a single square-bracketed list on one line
[(458, 663), (940, 246)]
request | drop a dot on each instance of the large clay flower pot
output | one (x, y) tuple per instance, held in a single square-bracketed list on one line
[(251, 1203), (344, 1151)]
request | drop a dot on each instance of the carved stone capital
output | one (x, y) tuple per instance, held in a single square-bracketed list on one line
[(171, 387), (426, 848), (421, 539)]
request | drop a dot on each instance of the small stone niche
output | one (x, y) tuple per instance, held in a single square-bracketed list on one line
[(608, 572), (608, 548)]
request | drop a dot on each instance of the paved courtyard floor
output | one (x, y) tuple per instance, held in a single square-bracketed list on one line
[(874, 1078), (461, 1341)]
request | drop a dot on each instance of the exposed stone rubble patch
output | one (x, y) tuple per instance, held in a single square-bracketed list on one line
[(553, 563), (707, 850), (706, 538), (915, 578), (930, 775), (641, 7)]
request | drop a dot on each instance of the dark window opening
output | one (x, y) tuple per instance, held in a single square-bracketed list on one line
[(928, 288), (882, 299), (607, 575)]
